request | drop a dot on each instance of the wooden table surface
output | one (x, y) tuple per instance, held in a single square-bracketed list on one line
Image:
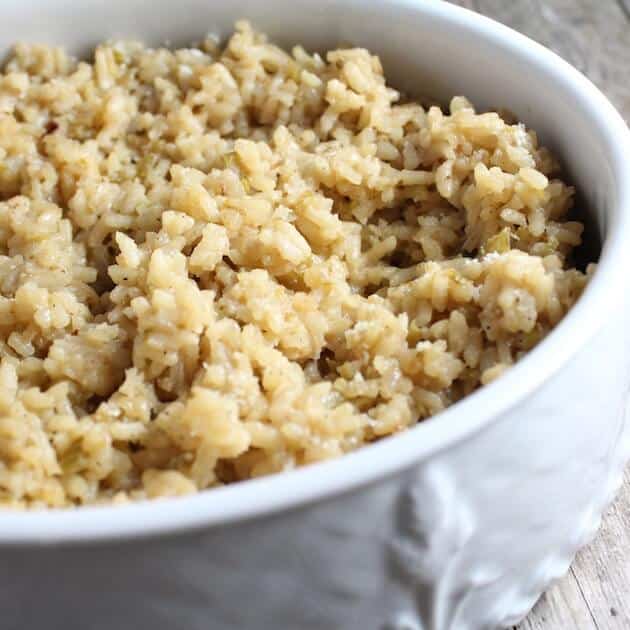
[(593, 35)]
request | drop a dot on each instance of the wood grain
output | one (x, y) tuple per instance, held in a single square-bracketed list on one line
[(593, 35)]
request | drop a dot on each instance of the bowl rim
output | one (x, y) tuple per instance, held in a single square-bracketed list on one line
[(288, 490)]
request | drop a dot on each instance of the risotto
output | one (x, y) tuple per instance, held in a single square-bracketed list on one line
[(223, 262)]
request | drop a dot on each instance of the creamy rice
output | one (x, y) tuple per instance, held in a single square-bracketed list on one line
[(220, 263)]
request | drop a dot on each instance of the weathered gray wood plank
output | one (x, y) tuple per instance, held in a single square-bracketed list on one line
[(596, 592), (563, 606), (624, 5), (593, 35), (603, 568)]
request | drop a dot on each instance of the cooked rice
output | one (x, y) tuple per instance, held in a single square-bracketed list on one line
[(217, 264)]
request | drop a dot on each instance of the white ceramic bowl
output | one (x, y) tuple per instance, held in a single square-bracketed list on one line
[(459, 523)]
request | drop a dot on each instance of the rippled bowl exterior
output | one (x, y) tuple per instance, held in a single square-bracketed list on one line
[(459, 524)]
